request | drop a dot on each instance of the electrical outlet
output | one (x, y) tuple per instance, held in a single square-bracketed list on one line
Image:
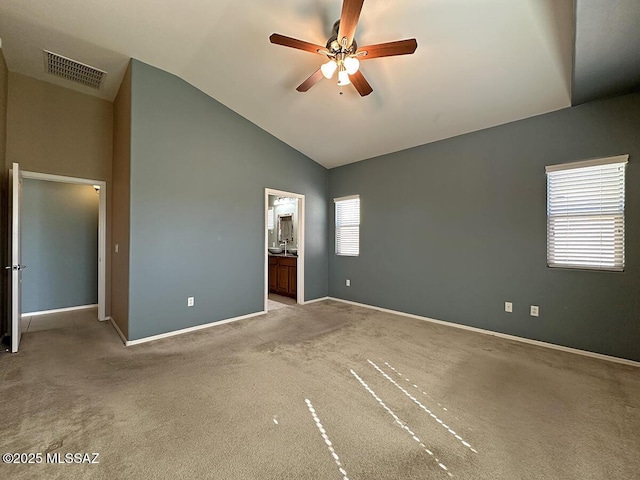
[(348, 283), (191, 301), (535, 311), (508, 307), (117, 247)]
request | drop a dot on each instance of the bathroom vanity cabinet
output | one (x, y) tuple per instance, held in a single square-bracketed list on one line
[(283, 271)]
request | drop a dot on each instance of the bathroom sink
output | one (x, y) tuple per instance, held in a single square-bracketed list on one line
[(275, 250), (292, 251)]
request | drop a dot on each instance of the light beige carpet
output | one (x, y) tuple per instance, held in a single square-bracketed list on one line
[(275, 302), (322, 391)]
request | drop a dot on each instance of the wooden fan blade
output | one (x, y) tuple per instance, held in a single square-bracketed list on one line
[(311, 81), (361, 84), (401, 47), (349, 20), (295, 43)]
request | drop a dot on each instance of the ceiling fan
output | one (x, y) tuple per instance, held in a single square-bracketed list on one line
[(343, 52)]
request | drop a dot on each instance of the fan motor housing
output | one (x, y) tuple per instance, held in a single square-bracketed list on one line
[(333, 45)]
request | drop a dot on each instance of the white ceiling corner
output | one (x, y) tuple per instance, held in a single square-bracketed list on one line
[(478, 64)]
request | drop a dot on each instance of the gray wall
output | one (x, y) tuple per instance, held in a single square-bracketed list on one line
[(59, 245), (453, 229), (198, 174), (607, 39)]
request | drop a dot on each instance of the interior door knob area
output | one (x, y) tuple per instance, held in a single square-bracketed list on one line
[(16, 267)]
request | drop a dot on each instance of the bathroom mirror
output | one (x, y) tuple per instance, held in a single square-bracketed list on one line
[(285, 228)]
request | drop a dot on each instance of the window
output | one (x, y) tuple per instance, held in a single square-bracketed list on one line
[(585, 214), (270, 219), (348, 225)]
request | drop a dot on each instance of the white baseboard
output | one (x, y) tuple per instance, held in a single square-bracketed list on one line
[(130, 343), (539, 343), (321, 299), (59, 310)]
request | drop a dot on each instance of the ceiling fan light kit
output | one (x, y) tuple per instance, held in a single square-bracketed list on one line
[(343, 77), (343, 52), (351, 65), (329, 68)]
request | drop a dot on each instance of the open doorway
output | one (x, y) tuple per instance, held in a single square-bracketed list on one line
[(60, 245), (92, 187), (284, 249), (16, 177)]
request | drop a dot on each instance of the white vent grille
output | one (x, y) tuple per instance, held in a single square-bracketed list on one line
[(71, 70)]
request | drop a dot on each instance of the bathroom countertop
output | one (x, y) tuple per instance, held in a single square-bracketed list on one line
[(288, 255)]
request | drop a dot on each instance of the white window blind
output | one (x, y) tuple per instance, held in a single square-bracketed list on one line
[(585, 214), (348, 225)]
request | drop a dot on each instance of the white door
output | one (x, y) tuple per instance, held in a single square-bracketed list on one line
[(15, 199)]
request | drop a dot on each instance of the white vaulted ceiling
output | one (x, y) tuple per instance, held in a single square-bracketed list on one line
[(479, 63)]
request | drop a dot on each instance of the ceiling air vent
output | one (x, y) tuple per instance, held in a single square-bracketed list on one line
[(71, 70)]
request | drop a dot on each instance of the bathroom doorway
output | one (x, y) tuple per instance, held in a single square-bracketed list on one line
[(284, 249)]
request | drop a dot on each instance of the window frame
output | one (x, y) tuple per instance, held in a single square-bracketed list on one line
[(589, 213), (338, 251)]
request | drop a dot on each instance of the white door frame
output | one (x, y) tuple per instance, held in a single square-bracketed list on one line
[(102, 228), (15, 201), (300, 265)]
